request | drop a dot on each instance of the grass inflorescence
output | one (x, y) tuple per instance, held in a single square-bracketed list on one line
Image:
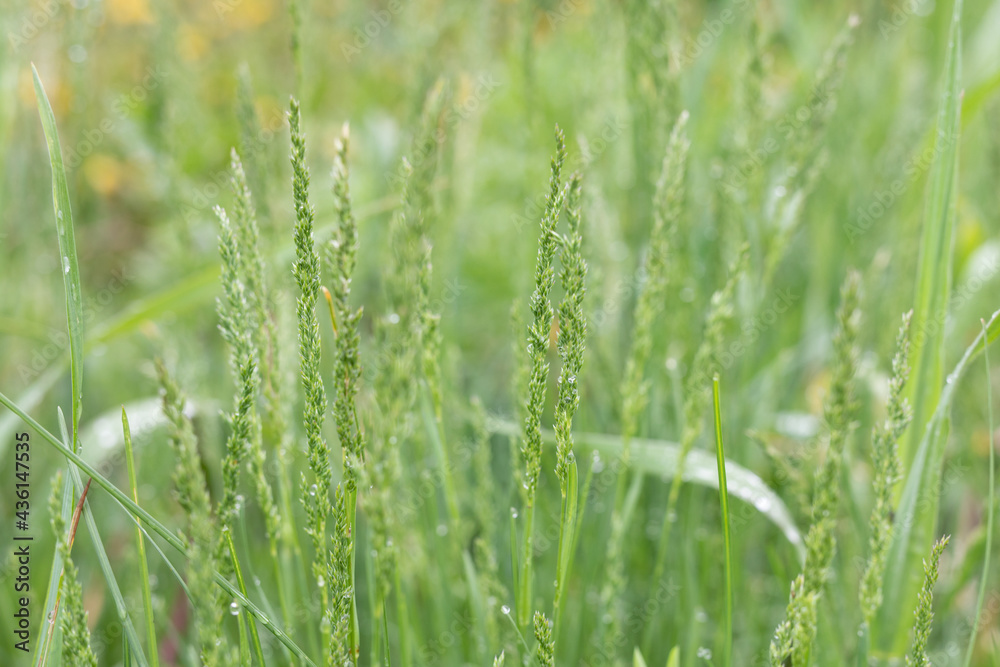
[(420, 436)]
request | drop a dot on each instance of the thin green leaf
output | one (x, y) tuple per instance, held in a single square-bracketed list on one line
[(67, 252)]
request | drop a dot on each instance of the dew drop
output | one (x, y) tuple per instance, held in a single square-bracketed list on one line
[(65, 264), (513, 513), (77, 53), (704, 653), (234, 608), (393, 318), (505, 609), (780, 191), (313, 489)]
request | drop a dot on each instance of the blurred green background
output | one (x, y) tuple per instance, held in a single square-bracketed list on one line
[(145, 94)]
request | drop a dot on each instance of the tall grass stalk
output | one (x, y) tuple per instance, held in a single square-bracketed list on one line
[(924, 612), (538, 346), (888, 473), (571, 343), (342, 257), (315, 492)]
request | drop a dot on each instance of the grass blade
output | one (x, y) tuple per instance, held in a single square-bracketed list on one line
[(937, 241), (147, 594), (727, 654), (991, 501), (67, 251)]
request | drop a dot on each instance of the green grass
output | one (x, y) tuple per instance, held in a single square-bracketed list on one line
[(430, 476)]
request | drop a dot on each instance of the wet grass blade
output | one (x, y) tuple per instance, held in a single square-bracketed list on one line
[(727, 654), (67, 252), (990, 502), (147, 594)]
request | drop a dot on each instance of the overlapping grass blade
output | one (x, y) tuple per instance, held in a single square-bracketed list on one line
[(914, 526), (660, 458), (161, 530)]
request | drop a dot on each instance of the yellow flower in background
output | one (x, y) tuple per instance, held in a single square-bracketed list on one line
[(103, 173), (192, 43), (129, 12)]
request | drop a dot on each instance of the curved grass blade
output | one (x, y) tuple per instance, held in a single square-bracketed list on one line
[(161, 530), (660, 458), (914, 526), (67, 251), (991, 501)]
